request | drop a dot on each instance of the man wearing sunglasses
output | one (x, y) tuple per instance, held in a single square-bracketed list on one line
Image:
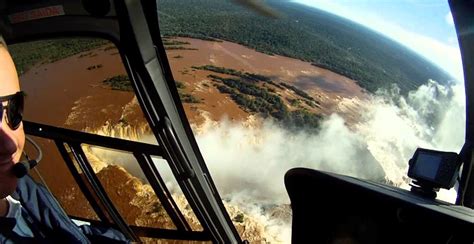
[(12, 136), (28, 212)]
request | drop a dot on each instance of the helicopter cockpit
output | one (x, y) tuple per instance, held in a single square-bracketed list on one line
[(119, 96), (46, 20)]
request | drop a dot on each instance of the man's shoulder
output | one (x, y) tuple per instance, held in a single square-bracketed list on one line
[(42, 205), (45, 212)]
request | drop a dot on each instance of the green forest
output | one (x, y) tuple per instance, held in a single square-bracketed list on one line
[(26, 55), (312, 35), (255, 99)]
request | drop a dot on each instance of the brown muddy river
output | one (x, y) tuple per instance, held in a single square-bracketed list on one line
[(327, 86)]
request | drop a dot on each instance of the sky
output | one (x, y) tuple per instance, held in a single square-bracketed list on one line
[(425, 26)]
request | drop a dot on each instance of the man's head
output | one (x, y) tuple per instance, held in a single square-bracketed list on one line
[(11, 140)]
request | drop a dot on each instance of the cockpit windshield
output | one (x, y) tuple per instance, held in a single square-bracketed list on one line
[(346, 87), (352, 88)]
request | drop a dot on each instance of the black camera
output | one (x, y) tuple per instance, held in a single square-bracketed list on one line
[(432, 170)]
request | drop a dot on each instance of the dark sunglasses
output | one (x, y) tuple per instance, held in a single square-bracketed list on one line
[(14, 109)]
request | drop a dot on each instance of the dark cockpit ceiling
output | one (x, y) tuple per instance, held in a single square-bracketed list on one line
[(27, 20)]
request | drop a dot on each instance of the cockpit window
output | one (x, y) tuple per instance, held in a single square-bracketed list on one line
[(312, 86), (80, 85), (68, 84), (88, 84)]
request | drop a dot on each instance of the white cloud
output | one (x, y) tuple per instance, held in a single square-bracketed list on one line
[(449, 19), (447, 57), (453, 40)]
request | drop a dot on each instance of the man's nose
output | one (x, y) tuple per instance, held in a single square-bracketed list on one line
[(7, 143)]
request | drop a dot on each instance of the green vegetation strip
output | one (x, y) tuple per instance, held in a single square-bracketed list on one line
[(310, 101), (185, 98), (122, 83), (119, 82), (29, 54), (243, 75), (174, 42), (171, 44), (234, 72), (255, 99)]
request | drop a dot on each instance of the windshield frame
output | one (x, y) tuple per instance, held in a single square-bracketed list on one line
[(464, 23)]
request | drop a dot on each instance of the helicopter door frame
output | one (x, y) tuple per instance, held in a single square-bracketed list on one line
[(69, 144), (157, 94), (145, 60), (464, 22)]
